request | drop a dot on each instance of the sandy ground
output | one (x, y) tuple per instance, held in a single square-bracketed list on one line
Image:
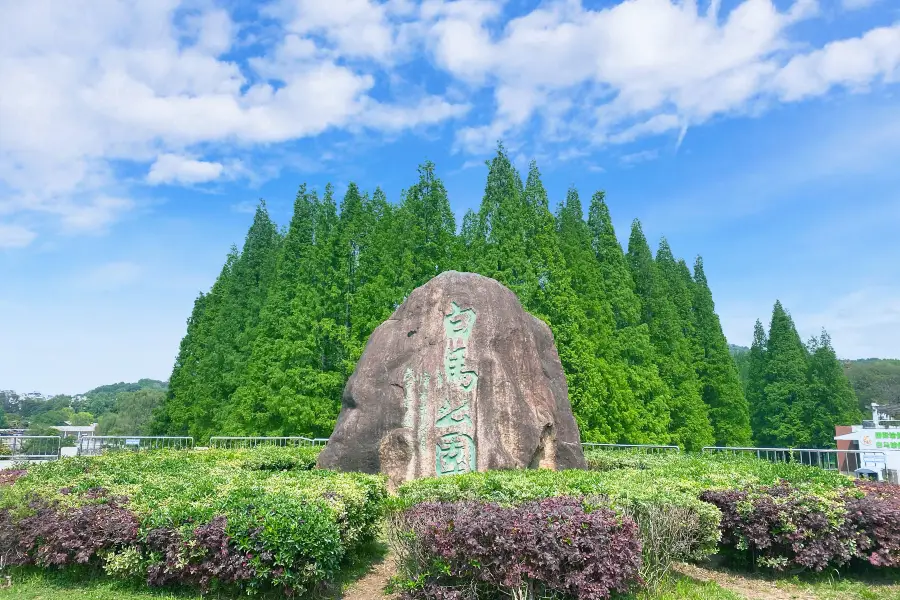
[(371, 585), (751, 588)]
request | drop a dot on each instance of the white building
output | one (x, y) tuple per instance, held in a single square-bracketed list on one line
[(76, 431), (881, 436)]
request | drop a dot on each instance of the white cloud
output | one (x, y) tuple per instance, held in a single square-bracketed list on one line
[(356, 28), (854, 63), (245, 206), (639, 157), (172, 168), (101, 81), (15, 236), (94, 215), (648, 66)]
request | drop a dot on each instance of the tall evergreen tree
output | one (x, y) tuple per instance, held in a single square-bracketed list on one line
[(380, 271), (831, 400), (278, 396), (633, 347), (503, 226), (235, 328), (553, 293), (785, 391), (720, 382), (755, 388), (411, 244), (428, 244), (681, 294), (356, 225), (173, 417), (605, 408), (690, 425), (329, 335)]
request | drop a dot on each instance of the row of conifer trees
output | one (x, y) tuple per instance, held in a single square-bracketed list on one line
[(269, 348)]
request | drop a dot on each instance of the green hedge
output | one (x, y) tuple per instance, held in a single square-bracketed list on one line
[(700, 472), (292, 527), (674, 523), (661, 492)]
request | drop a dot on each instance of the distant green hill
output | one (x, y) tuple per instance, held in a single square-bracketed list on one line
[(141, 384), (874, 380)]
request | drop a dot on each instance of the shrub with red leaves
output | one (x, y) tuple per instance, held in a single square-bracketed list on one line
[(54, 537), (876, 517), (9, 476), (552, 545), (784, 528), (206, 557)]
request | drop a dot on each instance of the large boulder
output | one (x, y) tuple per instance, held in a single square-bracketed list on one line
[(459, 379)]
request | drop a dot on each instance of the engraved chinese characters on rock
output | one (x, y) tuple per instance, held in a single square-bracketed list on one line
[(455, 450)]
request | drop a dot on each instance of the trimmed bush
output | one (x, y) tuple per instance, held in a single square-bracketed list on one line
[(278, 458), (703, 472), (782, 527), (53, 538), (553, 546), (674, 524), (252, 519), (876, 518)]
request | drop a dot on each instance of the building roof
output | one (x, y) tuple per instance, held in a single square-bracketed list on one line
[(75, 428)]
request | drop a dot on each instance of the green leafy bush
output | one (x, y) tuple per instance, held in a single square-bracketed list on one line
[(279, 458), (256, 519), (661, 492), (674, 523), (714, 471)]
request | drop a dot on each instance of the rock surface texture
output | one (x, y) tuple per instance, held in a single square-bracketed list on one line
[(459, 379)]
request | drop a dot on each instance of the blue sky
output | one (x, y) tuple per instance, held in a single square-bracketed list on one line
[(135, 138)]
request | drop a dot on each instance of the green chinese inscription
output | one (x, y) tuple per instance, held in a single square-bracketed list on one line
[(458, 325), (454, 453), (447, 416)]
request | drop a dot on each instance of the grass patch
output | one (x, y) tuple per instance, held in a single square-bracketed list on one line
[(678, 587), (869, 585)]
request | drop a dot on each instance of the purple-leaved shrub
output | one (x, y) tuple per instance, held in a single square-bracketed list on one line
[(9, 476), (205, 557), (785, 528), (876, 517), (451, 549), (56, 537)]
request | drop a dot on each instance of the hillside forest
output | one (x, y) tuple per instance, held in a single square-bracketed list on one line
[(118, 409), (269, 347)]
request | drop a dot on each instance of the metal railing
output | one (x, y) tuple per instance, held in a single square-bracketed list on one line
[(230, 442), (632, 447), (29, 447), (98, 444), (830, 459)]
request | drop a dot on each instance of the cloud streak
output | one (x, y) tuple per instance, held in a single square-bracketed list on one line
[(187, 93)]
